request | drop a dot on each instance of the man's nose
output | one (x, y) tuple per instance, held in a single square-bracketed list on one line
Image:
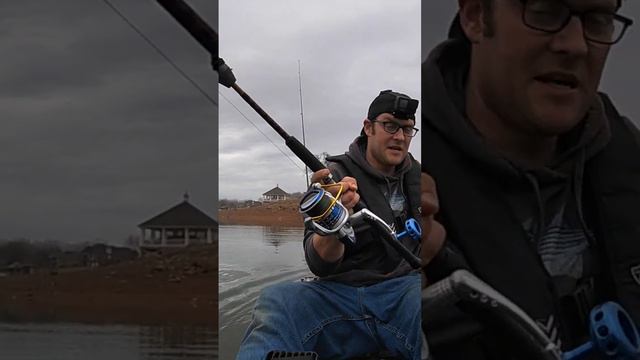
[(570, 39), (399, 135)]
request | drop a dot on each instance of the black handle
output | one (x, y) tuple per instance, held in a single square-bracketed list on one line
[(304, 154), (193, 23)]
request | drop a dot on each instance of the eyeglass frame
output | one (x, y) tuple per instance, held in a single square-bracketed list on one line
[(625, 21), (384, 127)]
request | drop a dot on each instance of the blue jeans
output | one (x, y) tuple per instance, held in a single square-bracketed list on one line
[(337, 320)]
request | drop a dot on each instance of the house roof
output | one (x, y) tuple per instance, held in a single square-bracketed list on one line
[(276, 191), (183, 214)]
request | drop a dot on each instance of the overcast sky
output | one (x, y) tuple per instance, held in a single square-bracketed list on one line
[(621, 78), (348, 50), (98, 132)]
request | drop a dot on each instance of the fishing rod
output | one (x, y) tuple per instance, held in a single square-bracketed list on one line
[(333, 214), (208, 38)]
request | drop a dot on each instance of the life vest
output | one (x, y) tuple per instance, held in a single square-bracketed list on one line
[(374, 200)]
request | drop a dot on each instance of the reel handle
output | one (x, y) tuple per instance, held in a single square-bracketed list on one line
[(613, 335), (412, 229)]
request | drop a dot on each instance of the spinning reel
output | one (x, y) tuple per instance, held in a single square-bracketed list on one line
[(328, 216), (326, 213)]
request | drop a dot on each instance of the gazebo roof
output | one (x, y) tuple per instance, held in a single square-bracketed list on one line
[(276, 191), (183, 214)]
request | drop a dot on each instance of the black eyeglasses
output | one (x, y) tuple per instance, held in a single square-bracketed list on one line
[(552, 16), (393, 127)]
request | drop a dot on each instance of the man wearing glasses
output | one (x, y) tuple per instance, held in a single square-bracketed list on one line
[(538, 175), (367, 299)]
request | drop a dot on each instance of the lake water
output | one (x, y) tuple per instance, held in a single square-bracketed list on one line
[(252, 257), (30, 341)]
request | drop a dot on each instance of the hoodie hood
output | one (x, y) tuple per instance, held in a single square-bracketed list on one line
[(443, 95)]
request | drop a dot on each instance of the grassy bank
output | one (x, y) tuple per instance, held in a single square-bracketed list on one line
[(280, 213), (179, 287)]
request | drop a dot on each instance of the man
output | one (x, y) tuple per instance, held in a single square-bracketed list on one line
[(367, 298), (538, 174)]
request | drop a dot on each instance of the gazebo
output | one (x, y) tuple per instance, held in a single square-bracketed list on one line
[(275, 194), (179, 226)]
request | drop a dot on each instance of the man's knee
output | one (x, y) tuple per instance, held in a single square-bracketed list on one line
[(281, 294)]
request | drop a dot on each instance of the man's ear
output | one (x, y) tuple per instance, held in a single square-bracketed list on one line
[(472, 19), (368, 127)]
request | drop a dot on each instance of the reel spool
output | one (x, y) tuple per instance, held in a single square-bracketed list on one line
[(327, 214)]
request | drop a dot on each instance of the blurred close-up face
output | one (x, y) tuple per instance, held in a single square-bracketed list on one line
[(385, 150), (540, 82)]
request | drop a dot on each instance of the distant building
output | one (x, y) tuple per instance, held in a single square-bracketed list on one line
[(17, 268), (101, 254), (251, 203), (275, 194), (179, 226)]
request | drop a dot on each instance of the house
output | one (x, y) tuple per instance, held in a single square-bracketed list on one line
[(275, 194), (251, 203), (17, 268), (101, 254), (179, 226)]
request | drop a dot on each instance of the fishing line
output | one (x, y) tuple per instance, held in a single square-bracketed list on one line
[(333, 202), (161, 53), (261, 132), (184, 75)]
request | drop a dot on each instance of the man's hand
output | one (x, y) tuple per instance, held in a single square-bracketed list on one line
[(349, 196), (433, 233)]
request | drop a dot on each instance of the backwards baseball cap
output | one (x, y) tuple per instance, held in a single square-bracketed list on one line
[(399, 105)]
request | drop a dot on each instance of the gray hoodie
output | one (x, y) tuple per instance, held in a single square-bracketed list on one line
[(547, 201), (370, 263)]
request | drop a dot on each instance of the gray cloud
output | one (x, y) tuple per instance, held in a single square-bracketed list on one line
[(100, 133)]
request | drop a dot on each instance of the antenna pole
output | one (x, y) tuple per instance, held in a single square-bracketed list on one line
[(306, 168)]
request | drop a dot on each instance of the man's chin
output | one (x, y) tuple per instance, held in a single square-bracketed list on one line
[(395, 159), (557, 120)]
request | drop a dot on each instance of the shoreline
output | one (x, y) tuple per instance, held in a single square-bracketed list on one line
[(281, 213), (172, 289)]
